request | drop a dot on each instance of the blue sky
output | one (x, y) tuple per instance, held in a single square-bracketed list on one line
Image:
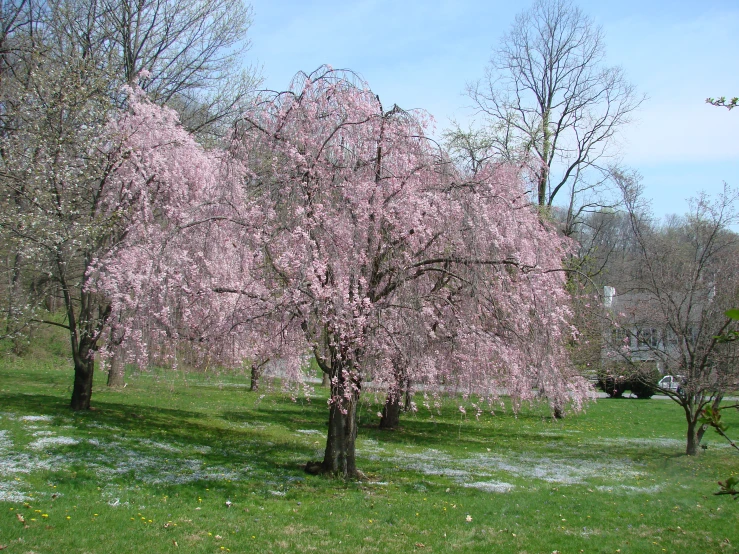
[(421, 54)]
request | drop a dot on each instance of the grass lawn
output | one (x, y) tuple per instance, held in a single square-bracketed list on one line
[(195, 463)]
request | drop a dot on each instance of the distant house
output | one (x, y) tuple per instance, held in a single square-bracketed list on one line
[(636, 332)]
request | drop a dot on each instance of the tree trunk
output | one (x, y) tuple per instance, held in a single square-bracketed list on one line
[(84, 332), (14, 293), (325, 380), (391, 411), (117, 371), (82, 389), (401, 388), (544, 170), (339, 457), (693, 440), (255, 374)]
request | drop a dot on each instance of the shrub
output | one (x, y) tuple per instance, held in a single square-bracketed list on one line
[(641, 379)]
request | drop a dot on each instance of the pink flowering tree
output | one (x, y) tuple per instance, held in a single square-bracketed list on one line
[(181, 278), (332, 226), (379, 248)]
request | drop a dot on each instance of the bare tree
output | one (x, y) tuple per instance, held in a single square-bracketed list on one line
[(547, 96), (683, 278), (185, 54), (605, 238)]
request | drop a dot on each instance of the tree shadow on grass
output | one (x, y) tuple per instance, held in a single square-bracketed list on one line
[(438, 433), (216, 445), (448, 434), (270, 443)]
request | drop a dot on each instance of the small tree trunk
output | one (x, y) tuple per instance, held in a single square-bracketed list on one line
[(82, 389), (401, 388), (407, 392), (693, 440), (325, 380), (339, 457), (255, 374), (391, 411), (84, 331), (117, 371)]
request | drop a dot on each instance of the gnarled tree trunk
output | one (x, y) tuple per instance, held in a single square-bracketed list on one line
[(339, 457), (694, 433), (391, 411), (257, 368), (696, 430), (408, 393), (84, 332), (691, 449)]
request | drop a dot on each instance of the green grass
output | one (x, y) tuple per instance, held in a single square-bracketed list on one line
[(153, 465)]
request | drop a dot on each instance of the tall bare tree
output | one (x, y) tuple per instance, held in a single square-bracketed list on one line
[(547, 95)]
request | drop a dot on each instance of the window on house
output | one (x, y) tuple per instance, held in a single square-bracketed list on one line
[(648, 338), (620, 337)]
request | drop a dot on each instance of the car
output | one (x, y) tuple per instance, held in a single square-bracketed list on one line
[(671, 383)]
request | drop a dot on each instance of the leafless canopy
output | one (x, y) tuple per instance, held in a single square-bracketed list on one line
[(191, 50), (547, 95)]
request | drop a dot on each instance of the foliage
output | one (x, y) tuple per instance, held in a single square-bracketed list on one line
[(722, 102), (644, 383), (640, 380), (731, 334)]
